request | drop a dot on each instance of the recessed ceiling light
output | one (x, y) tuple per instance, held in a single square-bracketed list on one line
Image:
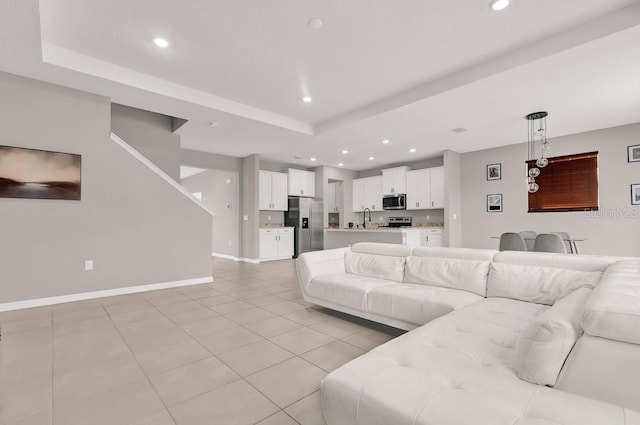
[(371, 158), (340, 164), (344, 152), (307, 99), (412, 150), (385, 141), (315, 23), (161, 42), (498, 5), (459, 130), (313, 159)]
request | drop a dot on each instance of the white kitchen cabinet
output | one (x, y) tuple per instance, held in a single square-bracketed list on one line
[(302, 183), (437, 187), (373, 193), (334, 197), (434, 238), (276, 243), (272, 191), (418, 189), (394, 180), (367, 193), (358, 195), (425, 189)]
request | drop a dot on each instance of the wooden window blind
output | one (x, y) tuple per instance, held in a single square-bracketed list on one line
[(568, 183)]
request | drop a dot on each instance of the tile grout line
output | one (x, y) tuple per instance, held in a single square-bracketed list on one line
[(140, 366)]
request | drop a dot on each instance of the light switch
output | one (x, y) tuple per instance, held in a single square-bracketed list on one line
[(88, 265)]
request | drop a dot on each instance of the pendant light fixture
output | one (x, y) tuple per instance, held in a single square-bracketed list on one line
[(537, 123)]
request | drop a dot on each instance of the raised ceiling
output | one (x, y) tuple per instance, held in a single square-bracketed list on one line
[(408, 71)]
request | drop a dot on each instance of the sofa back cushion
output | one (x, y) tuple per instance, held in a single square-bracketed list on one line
[(543, 346), (391, 249), (584, 263), (541, 285), (377, 266), (613, 311), (470, 276), (459, 253)]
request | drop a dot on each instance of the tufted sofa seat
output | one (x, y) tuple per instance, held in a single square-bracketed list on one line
[(506, 357)]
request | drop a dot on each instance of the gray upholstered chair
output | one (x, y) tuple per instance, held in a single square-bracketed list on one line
[(529, 237), (567, 240), (512, 242), (548, 242)]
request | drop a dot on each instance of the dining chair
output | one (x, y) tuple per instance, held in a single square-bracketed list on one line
[(529, 237), (512, 242), (567, 240), (548, 242)]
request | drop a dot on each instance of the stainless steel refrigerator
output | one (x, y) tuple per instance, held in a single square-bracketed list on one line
[(305, 215)]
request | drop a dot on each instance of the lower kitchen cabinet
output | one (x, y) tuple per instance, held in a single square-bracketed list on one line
[(276, 243)]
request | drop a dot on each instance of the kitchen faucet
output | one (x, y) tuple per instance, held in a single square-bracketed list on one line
[(364, 217)]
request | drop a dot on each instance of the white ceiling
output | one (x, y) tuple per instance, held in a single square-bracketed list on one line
[(409, 71)]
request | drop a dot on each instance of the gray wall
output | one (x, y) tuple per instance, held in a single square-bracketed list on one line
[(150, 134), (219, 190), (452, 234), (612, 230), (134, 225), (249, 198)]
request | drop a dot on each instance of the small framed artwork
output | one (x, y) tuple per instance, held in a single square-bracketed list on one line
[(633, 153), (494, 172), (494, 202), (635, 194)]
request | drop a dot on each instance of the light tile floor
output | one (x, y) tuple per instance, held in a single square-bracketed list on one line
[(241, 350)]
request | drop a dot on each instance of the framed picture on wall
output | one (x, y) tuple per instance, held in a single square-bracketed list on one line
[(494, 172), (635, 194), (38, 174), (633, 153), (494, 202)]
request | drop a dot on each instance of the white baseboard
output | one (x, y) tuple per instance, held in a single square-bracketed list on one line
[(276, 259), (231, 257), (39, 302)]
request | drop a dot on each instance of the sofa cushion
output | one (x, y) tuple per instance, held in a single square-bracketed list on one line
[(542, 285), (349, 290), (417, 304), (584, 263), (377, 266), (389, 249), (543, 346), (459, 253), (613, 311), (465, 275)]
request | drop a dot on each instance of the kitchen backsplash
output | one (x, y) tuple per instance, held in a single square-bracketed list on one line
[(420, 217), (271, 218)]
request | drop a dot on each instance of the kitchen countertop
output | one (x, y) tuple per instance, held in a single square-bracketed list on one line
[(383, 229)]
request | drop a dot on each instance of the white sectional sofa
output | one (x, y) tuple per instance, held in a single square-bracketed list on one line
[(496, 337)]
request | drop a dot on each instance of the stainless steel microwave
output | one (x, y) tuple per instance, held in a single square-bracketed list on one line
[(394, 202)]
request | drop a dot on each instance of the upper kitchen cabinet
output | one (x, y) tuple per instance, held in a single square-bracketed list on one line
[(425, 189), (394, 180), (272, 191), (367, 193), (334, 197), (302, 183), (437, 187)]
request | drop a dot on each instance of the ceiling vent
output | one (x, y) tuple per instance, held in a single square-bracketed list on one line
[(459, 130)]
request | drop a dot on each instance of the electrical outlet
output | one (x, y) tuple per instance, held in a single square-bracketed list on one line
[(88, 265), (230, 243), (268, 218), (380, 218), (245, 217)]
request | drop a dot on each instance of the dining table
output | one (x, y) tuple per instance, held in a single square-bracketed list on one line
[(572, 243)]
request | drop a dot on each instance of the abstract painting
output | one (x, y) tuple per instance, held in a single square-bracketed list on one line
[(37, 174)]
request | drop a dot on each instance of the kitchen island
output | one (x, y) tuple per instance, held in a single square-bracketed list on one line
[(412, 236)]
